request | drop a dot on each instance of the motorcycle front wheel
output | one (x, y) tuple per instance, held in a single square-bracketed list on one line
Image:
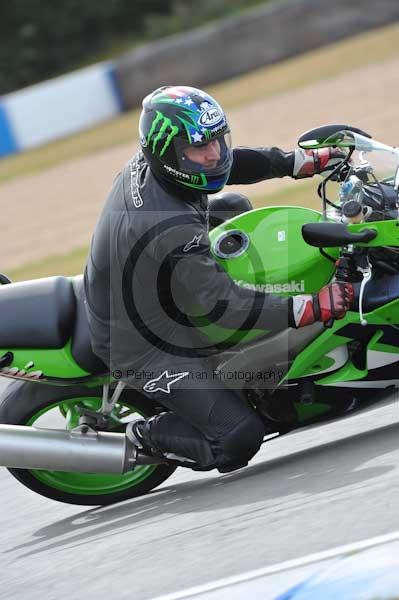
[(39, 405)]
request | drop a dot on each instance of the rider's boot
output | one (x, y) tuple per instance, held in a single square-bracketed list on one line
[(145, 450), (138, 432)]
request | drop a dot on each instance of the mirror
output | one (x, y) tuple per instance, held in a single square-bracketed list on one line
[(326, 136)]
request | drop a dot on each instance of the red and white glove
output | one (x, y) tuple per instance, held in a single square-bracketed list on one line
[(331, 302), (316, 162)]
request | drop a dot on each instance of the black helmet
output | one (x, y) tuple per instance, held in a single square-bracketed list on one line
[(180, 125)]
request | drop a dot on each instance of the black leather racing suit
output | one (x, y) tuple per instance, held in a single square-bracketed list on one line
[(149, 266)]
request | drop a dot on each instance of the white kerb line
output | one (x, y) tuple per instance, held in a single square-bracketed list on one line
[(283, 566)]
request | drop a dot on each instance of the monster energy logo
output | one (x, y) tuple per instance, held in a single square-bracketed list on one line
[(196, 181), (165, 125)]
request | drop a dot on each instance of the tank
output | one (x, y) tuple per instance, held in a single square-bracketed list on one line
[(264, 250)]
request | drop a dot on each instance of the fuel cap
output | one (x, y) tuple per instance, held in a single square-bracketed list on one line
[(231, 244)]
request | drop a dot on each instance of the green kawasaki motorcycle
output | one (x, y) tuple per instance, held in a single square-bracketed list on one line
[(64, 429)]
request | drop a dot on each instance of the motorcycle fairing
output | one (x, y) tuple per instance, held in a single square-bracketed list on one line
[(378, 338)]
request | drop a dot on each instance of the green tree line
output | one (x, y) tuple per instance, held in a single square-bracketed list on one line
[(44, 38)]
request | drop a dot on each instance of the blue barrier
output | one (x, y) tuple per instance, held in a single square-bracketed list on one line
[(8, 143), (116, 89), (53, 109)]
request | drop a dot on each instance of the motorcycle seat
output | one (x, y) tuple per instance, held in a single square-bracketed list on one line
[(46, 313), (37, 313)]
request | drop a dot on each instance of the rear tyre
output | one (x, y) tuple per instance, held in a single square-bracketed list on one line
[(26, 403)]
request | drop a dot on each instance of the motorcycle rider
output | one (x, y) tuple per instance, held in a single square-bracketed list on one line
[(150, 263)]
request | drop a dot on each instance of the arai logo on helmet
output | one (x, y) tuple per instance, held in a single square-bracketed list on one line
[(210, 115)]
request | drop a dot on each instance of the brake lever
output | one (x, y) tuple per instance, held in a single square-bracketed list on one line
[(366, 278)]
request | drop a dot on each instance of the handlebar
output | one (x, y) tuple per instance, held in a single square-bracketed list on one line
[(333, 235)]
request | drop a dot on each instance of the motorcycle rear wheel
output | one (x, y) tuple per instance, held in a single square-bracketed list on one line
[(25, 403)]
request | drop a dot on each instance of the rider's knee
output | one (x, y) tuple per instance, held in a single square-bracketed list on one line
[(236, 448)]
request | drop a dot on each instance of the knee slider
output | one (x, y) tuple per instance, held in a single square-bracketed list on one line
[(170, 435), (239, 445)]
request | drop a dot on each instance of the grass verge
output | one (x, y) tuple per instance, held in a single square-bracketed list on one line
[(308, 68), (66, 264)]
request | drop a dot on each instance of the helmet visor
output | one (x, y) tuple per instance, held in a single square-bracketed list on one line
[(211, 157)]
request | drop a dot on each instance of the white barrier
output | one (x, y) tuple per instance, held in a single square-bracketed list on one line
[(44, 112), (265, 35)]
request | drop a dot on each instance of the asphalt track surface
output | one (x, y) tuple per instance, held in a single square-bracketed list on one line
[(306, 492)]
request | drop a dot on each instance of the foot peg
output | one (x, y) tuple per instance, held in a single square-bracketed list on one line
[(139, 454), (142, 458)]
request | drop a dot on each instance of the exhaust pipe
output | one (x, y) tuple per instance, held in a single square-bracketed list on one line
[(80, 450)]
